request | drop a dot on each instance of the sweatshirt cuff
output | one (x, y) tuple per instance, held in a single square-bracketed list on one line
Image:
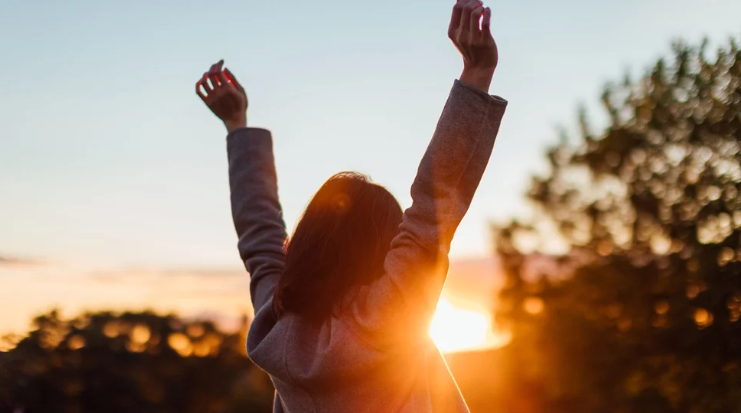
[(497, 100), (247, 132)]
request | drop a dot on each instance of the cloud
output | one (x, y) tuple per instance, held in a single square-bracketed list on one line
[(16, 261), (166, 275), (190, 292), (207, 272)]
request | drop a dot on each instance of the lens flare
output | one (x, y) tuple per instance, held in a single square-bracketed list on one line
[(457, 329)]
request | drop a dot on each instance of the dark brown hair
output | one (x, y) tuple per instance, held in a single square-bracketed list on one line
[(340, 242)]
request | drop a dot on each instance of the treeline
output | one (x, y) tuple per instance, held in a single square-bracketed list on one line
[(132, 362)]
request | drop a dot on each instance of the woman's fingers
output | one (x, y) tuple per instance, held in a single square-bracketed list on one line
[(233, 80), (455, 19), (475, 18), (213, 73), (468, 8), (220, 73), (486, 23), (221, 78), (472, 36), (199, 90), (204, 83)]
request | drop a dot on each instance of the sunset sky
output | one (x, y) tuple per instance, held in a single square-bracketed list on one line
[(108, 158)]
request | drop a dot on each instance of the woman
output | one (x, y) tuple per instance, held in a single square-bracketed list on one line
[(343, 309)]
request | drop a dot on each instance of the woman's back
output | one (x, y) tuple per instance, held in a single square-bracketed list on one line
[(330, 367), (374, 355), (343, 309)]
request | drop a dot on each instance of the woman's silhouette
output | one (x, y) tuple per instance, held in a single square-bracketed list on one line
[(343, 309)]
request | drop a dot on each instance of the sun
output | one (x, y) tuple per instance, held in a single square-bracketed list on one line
[(457, 329)]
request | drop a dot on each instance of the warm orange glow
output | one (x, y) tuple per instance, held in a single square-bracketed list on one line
[(180, 343), (140, 334), (195, 330), (111, 329), (533, 305), (76, 342), (662, 307), (457, 329), (703, 318)]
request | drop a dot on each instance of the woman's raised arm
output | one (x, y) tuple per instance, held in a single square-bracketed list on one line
[(399, 306), (256, 209)]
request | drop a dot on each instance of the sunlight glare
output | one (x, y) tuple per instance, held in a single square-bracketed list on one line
[(456, 329)]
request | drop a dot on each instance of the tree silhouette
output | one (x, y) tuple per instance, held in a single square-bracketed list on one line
[(133, 362), (642, 313)]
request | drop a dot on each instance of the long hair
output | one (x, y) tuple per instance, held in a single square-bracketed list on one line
[(340, 243)]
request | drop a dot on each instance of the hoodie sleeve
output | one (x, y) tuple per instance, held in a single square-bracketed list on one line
[(399, 306), (256, 210)]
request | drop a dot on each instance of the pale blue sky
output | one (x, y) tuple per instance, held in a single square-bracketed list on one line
[(107, 155)]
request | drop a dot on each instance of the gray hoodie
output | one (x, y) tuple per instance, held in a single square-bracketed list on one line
[(376, 356)]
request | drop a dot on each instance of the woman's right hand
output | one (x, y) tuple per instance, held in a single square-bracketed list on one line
[(222, 93), (475, 43)]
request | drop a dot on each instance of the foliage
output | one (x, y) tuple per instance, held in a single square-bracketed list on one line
[(133, 362), (642, 313)]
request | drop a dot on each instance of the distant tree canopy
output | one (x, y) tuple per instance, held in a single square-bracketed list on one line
[(148, 363), (133, 362), (642, 313)]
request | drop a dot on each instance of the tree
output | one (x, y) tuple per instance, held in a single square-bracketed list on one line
[(642, 311), (132, 362)]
